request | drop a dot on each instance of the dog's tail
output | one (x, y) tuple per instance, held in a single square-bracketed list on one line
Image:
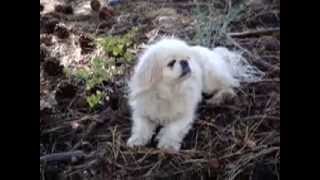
[(239, 66)]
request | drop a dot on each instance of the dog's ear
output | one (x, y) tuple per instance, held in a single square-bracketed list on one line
[(148, 71)]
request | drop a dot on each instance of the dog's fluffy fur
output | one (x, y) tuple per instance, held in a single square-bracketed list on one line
[(168, 83)]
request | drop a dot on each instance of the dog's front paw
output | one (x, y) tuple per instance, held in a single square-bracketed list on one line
[(134, 141), (169, 145), (221, 97)]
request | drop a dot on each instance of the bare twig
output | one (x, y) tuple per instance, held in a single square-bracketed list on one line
[(261, 117), (64, 156), (275, 80), (254, 32)]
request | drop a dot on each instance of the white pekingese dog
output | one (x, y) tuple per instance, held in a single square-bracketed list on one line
[(168, 83)]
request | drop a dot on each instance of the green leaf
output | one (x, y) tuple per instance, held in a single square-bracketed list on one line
[(95, 99), (128, 56)]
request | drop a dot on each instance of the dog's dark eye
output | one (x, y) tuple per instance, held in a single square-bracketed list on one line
[(171, 63)]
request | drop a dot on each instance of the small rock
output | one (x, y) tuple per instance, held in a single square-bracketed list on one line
[(64, 9), (52, 67), (61, 31), (65, 91), (48, 23), (95, 5), (46, 39), (58, 8), (86, 43)]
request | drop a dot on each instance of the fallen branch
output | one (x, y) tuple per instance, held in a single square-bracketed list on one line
[(261, 117), (254, 32), (64, 156), (275, 80)]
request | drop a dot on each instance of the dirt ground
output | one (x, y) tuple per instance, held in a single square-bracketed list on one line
[(239, 139)]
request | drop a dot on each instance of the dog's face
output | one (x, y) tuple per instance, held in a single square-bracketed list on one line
[(167, 62), (176, 69)]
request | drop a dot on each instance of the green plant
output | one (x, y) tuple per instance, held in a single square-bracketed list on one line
[(99, 70), (98, 73), (96, 99), (82, 74), (117, 46), (93, 76)]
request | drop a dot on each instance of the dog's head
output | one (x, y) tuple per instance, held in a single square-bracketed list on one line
[(165, 62)]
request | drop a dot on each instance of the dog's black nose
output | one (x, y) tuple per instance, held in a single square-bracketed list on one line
[(184, 64), (185, 67)]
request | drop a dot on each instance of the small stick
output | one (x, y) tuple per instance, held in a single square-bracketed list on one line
[(254, 32), (261, 117), (64, 156)]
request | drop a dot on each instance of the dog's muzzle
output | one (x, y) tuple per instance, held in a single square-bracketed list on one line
[(185, 68)]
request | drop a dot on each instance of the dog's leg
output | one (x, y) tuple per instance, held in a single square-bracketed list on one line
[(221, 96), (142, 131), (172, 134)]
